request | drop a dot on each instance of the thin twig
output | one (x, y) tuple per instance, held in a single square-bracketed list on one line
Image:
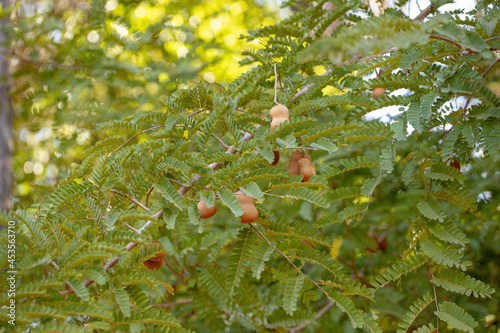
[(423, 14), (444, 55), (281, 84), (288, 259), (451, 42), (133, 137), (289, 148), (169, 305), (490, 67), (196, 112), (147, 196), (132, 228), (220, 141), (308, 87), (275, 84), (175, 181), (358, 57), (433, 286), (157, 215), (491, 38), (320, 313), (173, 270), (134, 200), (275, 195)]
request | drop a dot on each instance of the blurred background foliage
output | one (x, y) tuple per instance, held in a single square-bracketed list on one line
[(72, 68)]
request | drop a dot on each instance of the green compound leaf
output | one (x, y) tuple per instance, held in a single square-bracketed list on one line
[(456, 317)]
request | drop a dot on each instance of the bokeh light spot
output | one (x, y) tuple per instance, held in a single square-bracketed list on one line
[(111, 5), (215, 24), (28, 167), (140, 12), (209, 77), (38, 168), (182, 52), (93, 36)]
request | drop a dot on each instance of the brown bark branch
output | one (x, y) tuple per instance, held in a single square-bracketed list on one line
[(445, 54), (423, 14), (134, 200), (220, 141), (448, 40), (307, 87)]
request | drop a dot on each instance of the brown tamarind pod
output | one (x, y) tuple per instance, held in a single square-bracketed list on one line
[(205, 211), (454, 163), (157, 261), (293, 168), (279, 114), (306, 168), (379, 92), (276, 157), (250, 213)]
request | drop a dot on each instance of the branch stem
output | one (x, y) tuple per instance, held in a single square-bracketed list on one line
[(308, 87), (424, 13), (134, 200), (320, 313), (275, 84), (169, 305), (220, 141), (290, 148), (133, 137), (288, 259)]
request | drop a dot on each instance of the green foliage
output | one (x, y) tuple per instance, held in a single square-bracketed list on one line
[(456, 317), (383, 221), (415, 309)]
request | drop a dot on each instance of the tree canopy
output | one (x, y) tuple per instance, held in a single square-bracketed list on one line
[(328, 217)]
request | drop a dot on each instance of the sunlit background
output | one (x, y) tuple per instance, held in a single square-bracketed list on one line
[(158, 46)]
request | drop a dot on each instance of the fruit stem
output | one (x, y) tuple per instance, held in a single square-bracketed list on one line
[(275, 84), (289, 148)]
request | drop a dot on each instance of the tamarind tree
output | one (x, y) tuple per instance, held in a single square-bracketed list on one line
[(396, 228)]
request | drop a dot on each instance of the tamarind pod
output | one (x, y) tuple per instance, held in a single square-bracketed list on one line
[(379, 92), (279, 111), (157, 261), (293, 169), (250, 213), (276, 157), (205, 211), (306, 168)]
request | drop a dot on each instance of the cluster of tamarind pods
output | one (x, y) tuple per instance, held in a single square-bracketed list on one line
[(300, 164)]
